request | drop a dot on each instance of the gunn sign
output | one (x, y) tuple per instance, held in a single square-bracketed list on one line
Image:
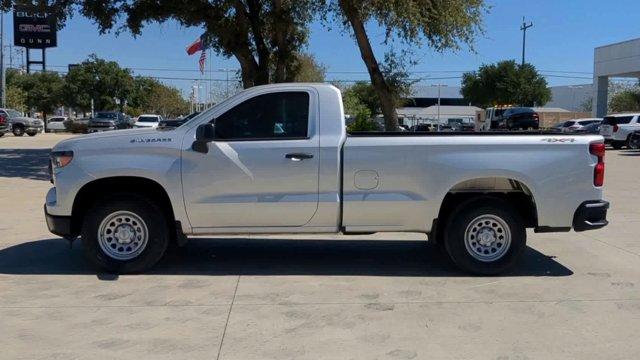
[(33, 28)]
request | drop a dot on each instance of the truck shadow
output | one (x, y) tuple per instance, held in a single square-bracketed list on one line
[(239, 256), (25, 163)]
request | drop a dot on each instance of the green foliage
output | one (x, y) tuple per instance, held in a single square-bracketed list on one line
[(16, 98), (105, 82), (505, 83), (264, 36), (363, 94), (625, 101), (442, 24), (307, 69), (76, 127), (40, 91)]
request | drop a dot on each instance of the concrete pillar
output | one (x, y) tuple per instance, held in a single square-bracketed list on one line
[(600, 96)]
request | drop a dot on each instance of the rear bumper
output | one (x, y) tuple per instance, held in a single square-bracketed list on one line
[(59, 225), (591, 215)]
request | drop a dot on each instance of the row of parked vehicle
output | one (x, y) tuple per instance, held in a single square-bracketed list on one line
[(618, 130)]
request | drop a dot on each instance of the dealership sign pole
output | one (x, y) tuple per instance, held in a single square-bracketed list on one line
[(34, 28)]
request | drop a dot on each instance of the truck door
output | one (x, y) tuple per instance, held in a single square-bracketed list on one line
[(262, 168)]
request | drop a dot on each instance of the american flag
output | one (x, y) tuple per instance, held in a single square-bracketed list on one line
[(203, 61)]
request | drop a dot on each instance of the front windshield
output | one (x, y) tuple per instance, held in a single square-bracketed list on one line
[(148, 119), (13, 113), (106, 115)]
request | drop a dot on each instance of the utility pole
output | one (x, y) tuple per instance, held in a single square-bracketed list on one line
[(524, 28), (3, 78)]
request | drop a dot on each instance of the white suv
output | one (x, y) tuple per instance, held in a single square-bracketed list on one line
[(617, 129), (148, 121)]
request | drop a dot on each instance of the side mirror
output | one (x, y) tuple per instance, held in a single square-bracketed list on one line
[(205, 134)]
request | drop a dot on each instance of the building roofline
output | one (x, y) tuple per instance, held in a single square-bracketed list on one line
[(617, 43)]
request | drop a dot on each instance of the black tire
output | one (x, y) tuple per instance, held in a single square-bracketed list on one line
[(18, 130), (1, 134), (462, 219), (32, 133), (628, 142), (616, 145), (147, 210)]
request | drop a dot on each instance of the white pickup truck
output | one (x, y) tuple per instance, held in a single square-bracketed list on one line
[(277, 159)]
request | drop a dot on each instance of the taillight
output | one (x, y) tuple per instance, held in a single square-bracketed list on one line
[(536, 116), (615, 128), (597, 149), (3, 119)]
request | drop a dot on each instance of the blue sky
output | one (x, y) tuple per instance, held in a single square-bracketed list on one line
[(561, 43)]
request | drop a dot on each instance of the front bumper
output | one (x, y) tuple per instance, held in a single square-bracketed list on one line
[(59, 225), (591, 215)]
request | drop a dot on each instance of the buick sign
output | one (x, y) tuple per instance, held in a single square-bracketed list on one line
[(34, 27)]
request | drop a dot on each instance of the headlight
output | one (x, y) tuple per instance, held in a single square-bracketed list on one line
[(60, 159)]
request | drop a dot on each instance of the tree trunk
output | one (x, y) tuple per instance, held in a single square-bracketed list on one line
[(385, 93)]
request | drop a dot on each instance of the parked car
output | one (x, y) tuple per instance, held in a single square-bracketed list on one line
[(277, 159), (148, 121), (617, 129), (519, 118), (20, 124), (107, 120), (56, 123), (593, 128), (577, 124), (5, 127), (174, 123), (422, 128)]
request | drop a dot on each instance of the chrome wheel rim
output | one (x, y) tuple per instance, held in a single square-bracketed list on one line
[(487, 238), (123, 235)]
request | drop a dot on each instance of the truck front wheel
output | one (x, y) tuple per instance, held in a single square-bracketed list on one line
[(125, 233), (18, 130), (485, 236)]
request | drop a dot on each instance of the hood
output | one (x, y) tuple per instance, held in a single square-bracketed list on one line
[(25, 119), (112, 139)]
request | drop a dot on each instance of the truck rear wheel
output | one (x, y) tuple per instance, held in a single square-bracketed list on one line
[(485, 236), (125, 233)]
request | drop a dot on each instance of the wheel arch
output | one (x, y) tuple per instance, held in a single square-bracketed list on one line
[(514, 191), (102, 187)]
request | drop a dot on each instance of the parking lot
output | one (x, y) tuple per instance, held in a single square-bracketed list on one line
[(383, 296)]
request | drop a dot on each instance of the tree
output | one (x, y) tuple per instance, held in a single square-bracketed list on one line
[(505, 83), (41, 91), (366, 95), (443, 24), (307, 69), (167, 101), (105, 82), (264, 36), (16, 98), (625, 101)]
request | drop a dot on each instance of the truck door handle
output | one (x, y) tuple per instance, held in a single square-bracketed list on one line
[(298, 156)]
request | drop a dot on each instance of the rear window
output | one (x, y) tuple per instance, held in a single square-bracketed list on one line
[(569, 123), (616, 120)]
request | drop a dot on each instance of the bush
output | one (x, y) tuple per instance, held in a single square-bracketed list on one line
[(75, 127), (363, 124)]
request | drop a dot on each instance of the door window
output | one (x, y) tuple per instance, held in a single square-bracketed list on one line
[(282, 115)]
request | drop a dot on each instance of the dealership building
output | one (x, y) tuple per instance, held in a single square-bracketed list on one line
[(619, 60)]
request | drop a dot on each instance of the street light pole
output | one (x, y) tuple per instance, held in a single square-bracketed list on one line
[(3, 78), (524, 28)]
